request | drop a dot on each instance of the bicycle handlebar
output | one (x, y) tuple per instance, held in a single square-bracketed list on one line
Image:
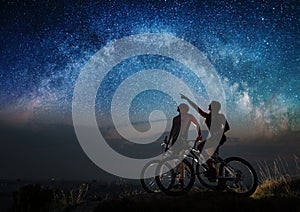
[(165, 143)]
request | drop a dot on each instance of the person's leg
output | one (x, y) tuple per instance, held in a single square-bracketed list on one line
[(211, 164), (212, 169), (214, 156), (181, 168), (201, 145), (212, 172)]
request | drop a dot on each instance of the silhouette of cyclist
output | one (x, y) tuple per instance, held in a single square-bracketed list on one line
[(217, 131), (179, 132)]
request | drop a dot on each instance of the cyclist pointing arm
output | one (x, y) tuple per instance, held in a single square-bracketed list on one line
[(217, 129), (200, 111)]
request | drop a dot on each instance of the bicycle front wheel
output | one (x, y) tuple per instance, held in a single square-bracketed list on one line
[(148, 183), (238, 176), (168, 179)]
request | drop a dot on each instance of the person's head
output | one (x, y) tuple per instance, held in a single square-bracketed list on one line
[(183, 108), (214, 106)]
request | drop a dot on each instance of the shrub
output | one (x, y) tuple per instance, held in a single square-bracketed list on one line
[(277, 180), (32, 198)]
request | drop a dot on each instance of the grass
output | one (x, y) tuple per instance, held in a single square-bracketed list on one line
[(278, 180), (285, 187), (72, 197)]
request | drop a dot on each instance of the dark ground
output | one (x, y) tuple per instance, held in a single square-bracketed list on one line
[(198, 201)]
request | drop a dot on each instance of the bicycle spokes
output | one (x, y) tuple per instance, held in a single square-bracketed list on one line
[(238, 176)]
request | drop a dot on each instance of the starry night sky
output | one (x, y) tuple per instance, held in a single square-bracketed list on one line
[(254, 47)]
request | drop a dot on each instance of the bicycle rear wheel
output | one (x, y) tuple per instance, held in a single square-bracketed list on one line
[(168, 179), (238, 176)]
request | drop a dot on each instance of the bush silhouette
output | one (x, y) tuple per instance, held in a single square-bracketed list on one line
[(32, 198)]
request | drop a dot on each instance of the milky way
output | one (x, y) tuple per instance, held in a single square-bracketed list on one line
[(253, 46)]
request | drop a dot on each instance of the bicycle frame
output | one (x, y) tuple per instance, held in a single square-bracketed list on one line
[(196, 158)]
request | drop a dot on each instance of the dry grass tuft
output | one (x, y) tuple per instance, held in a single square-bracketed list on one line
[(277, 180)]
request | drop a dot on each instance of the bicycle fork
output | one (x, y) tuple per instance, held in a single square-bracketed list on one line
[(229, 171)]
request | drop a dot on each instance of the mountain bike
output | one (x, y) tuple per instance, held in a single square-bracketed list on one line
[(149, 183), (235, 174)]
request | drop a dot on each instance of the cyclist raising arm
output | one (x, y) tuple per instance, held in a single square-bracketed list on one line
[(220, 126), (217, 129)]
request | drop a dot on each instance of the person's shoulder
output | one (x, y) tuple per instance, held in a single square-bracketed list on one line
[(222, 116), (191, 115)]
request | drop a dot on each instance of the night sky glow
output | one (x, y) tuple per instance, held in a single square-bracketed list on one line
[(254, 47)]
